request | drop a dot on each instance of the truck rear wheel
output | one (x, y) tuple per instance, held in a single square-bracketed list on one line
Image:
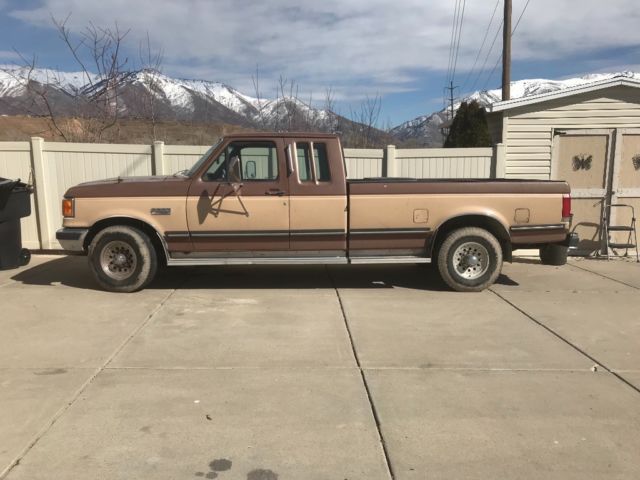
[(470, 259), (122, 259), (553, 254)]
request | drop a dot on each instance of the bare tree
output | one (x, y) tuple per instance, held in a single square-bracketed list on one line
[(329, 121), (151, 67), (36, 93), (260, 107), (90, 108), (99, 102), (364, 132), (286, 103)]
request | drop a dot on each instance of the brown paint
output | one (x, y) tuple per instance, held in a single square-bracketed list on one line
[(401, 241), (455, 186), (538, 236), (132, 187), (319, 242)]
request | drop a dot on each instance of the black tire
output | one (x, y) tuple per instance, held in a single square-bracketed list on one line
[(122, 259), (25, 257), (553, 254), (470, 244)]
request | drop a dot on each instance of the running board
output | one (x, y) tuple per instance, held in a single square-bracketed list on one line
[(389, 259), (194, 262)]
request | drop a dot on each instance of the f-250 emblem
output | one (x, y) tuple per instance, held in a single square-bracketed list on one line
[(582, 161), (160, 211)]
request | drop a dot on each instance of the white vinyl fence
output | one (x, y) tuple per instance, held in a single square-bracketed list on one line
[(53, 167)]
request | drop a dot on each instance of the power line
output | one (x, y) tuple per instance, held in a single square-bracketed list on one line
[(454, 27), (484, 40), (455, 62), (524, 9), (493, 70), (486, 58)]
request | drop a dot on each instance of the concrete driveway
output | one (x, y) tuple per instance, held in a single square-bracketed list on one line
[(265, 373)]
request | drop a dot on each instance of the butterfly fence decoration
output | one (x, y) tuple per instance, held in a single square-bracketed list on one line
[(636, 162), (582, 161)]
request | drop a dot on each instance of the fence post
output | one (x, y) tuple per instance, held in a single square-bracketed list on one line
[(158, 157), (391, 161), (500, 160), (42, 192)]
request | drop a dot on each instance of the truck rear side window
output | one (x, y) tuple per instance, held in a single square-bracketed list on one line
[(304, 162), (321, 160)]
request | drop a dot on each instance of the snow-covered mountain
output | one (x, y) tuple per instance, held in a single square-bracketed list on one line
[(425, 130), (139, 91), (147, 92)]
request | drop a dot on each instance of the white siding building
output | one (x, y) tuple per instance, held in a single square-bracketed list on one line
[(588, 136)]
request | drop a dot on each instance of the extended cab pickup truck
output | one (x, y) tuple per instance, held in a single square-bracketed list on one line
[(284, 198)]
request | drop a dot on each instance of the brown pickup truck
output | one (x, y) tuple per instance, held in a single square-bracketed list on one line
[(284, 199)]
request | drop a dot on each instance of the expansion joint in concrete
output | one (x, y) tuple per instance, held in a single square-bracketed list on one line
[(356, 357), (34, 441), (568, 342)]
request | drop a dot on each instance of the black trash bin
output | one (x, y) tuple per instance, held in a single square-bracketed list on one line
[(15, 204)]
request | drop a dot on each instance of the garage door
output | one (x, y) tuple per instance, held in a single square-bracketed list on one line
[(582, 157)]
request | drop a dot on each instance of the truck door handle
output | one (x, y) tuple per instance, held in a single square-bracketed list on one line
[(275, 191)]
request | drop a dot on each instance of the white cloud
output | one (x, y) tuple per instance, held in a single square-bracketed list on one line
[(357, 46)]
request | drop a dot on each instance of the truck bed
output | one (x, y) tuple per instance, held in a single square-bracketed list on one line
[(373, 186)]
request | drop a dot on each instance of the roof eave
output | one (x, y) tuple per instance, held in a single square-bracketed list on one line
[(520, 102)]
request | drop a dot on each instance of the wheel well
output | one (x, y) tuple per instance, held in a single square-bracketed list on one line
[(151, 232), (489, 224)]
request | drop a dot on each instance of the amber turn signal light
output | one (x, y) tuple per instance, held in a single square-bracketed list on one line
[(67, 207)]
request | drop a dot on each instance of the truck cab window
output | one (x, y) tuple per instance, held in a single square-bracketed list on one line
[(217, 170), (321, 161), (245, 161), (304, 162)]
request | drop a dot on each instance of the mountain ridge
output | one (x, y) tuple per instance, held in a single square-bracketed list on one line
[(180, 99), (425, 129)]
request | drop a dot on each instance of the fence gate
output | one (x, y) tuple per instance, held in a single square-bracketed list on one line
[(584, 159), (601, 166), (626, 179)]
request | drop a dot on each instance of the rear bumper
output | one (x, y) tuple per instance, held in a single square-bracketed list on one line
[(72, 239)]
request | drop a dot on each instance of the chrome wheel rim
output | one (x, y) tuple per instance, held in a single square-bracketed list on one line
[(471, 260), (118, 260)]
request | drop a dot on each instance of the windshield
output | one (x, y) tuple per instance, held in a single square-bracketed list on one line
[(198, 164)]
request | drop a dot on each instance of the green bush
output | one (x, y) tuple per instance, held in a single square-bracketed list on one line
[(469, 127)]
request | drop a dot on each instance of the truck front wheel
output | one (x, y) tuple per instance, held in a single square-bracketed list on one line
[(122, 259), (470, 259)]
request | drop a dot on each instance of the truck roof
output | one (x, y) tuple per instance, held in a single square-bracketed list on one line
[(281, 135)]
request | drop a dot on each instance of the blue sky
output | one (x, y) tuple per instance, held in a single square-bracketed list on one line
[(398, 49)]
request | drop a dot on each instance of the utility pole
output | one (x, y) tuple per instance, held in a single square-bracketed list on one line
[(451, 88), (506, 52)]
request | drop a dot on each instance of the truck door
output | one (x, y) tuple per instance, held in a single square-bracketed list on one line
[(318, 213), (241, 202)]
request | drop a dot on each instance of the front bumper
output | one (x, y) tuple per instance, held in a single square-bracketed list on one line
[(72, 239)]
